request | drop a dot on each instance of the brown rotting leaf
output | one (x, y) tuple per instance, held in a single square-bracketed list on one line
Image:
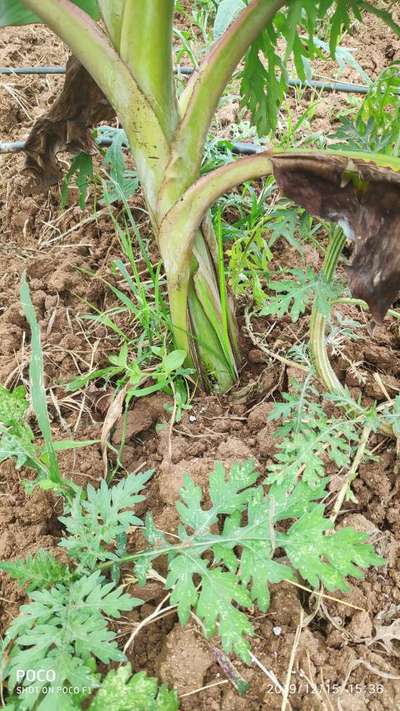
[(66, 126), (364, 199)]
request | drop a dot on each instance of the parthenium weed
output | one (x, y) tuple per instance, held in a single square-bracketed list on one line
[(220, 564)]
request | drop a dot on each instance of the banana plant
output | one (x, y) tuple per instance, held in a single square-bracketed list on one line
[(127, 48)]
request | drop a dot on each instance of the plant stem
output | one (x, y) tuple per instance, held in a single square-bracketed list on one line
[(213, 357), (146, 48), (363, 305), (318, 349), (178, 231), (112, 12), (221, 278), (206, 87)]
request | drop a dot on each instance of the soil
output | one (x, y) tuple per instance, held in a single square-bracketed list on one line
[(60, 250)]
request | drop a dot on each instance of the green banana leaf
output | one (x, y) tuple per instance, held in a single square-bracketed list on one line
[(13, 12)]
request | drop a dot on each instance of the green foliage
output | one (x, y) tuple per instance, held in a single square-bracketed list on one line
[(220, 564), (294, 295), (226, 13), (144, 361), (224, 556), (120, 691), (217, 574), (249, 259), (264, 83), (17, 440), (81, 167), (16, 436), (344, 58), (322, 556), (64, 630), (13, 406), (391, 415), (121, 182), (133, 372), (38, 392), (255, 221), (309, 437), (64, 627), (94, 523), (37, 572), (13, 12), (377, 124), (265, 76)]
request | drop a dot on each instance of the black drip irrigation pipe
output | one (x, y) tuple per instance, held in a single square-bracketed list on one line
[(61, 70), (340, 86), (239, 148), (245, 149), (31, 70)]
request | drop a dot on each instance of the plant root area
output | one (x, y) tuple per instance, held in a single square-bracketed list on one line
[(347, 656)]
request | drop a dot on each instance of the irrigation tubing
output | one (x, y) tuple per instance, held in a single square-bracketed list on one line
[(340, 86), (239, 148), (246, 149)]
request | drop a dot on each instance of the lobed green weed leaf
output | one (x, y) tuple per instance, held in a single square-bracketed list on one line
[(13, 405), (64, 630), (16, 437), (326, 557), (224, 561), (265, 76), (392, 415), (121, 690), (309, 437), (37, 572), (377, 124), (296, 293), (94, 523)]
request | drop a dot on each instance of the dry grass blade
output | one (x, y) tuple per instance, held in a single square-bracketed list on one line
[(268, 673), (285, 699), (204, 688), (160, 611), (268, 352), (363, 662), (352, 473), (113, 414), (320, 594)]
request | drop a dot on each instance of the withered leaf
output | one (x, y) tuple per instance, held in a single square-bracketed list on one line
[(66, 126), (363, 197), (389, 637)]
